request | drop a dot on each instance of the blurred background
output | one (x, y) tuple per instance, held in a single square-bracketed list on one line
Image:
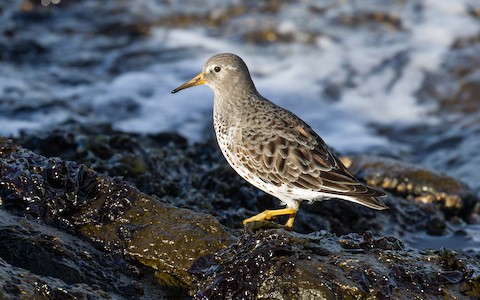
[(398, 78), (392, 78)]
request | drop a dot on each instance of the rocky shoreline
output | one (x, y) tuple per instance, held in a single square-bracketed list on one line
[(88, 212), (123, 216)]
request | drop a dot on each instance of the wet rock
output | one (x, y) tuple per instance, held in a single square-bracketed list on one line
[(455, 86), (16, 283), (427, 209), (118, 219), (108, 211), (276, 264), (162, 237), (197, 177), (40, 262), (342, 217), (452, 145), (414, 182), (192, 176)]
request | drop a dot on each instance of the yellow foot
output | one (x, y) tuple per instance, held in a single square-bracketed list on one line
[(270, 214), (289, 224)]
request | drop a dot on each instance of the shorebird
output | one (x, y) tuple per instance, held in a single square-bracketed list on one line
[(272, 148)]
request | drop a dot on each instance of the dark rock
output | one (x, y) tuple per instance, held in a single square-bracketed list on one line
[(162, 237), (269, 263), (193, 176), (455, 86), (415, 182), (109, 212), (276, 264), (40, 262), (197, 176)]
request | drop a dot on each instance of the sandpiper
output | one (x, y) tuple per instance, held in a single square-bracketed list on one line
[(271, 147)]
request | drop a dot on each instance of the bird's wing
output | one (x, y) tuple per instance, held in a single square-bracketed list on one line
[(298, 157)]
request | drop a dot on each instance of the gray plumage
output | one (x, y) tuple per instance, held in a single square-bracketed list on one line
[(272, 148)]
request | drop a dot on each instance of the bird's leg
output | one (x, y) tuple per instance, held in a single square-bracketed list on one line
[(291, 219), (270, 214)]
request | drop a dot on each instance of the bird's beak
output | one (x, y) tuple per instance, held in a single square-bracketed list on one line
[(197, 80)]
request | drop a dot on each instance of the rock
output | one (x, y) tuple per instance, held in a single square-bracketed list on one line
[(119, 219), (160, 236), (167, 240), (414, 182), (194, 176), (277, 264), (40, 262), (107, 211), (197, 176), (454, 86)]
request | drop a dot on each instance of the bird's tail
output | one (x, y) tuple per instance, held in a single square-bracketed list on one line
[(370, 201)]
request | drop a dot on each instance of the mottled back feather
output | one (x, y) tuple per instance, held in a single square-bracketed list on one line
[(287, 151)]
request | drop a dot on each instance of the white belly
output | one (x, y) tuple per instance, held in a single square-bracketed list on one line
[(288, 196)]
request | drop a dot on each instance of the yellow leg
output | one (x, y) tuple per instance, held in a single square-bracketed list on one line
[(291, 219), (269, 214)]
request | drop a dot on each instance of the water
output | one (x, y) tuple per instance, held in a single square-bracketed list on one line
[(353, 70), (376, 69)]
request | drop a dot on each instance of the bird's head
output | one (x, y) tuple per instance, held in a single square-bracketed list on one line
[(224, 73)]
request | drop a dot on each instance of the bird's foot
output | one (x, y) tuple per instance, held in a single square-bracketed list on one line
[(270, 214), (291, 219)]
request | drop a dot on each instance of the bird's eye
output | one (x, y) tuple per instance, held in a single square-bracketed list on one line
[(217, 69)]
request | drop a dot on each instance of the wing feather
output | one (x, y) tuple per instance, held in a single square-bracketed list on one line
[(299, 158)]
